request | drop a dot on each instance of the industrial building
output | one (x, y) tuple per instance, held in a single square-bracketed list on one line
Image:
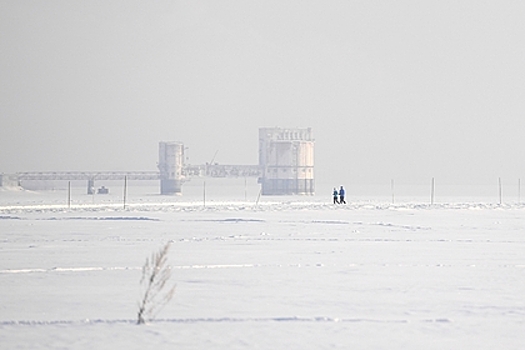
[(286, 164), (286, 167), (171, 162), (286, 157)]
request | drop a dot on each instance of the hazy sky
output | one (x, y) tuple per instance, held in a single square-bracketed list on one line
[(391, 89)]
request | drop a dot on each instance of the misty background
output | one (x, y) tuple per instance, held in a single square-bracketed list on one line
[(405, 90)]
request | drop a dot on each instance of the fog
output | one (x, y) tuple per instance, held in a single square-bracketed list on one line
[(404, 90)]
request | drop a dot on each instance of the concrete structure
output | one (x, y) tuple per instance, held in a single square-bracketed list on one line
[(9, 180), (286, 157), (286, 166), (171, 163)]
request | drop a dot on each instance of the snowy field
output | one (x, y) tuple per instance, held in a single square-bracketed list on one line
[(287, 273)]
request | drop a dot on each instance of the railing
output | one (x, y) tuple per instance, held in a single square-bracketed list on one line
[(90, 175), (188, 171)]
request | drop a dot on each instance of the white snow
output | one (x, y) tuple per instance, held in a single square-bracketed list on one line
[(289, 273)]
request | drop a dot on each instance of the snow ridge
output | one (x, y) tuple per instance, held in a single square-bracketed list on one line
[(8, 210), (302, 319)]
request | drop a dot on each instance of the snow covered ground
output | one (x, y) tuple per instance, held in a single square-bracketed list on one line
[(288, 273)]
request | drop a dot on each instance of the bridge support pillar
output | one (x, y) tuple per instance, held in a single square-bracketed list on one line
[(91, 186), (168, 186), (171, 163), (9, 180)]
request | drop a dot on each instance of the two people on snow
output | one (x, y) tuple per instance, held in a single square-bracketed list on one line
[(339, 196)]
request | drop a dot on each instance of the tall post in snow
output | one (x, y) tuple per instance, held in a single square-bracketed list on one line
[(392, 189), (204, 194), (499, 185), (69, 194), (258, 197), (519, 191), (432, 191), (125, 189)]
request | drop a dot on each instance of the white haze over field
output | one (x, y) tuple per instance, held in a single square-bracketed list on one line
[(393, 90), (404, 90)]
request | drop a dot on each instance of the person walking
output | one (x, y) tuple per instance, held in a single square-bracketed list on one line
[(342, 195), (336, 194)]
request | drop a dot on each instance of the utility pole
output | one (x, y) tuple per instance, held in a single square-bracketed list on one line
[(432, 190), (204, 194), (125, 189), (69, 194), (392, 189), (499, 185)]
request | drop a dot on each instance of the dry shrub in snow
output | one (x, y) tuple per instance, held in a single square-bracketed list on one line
[(155, 274)]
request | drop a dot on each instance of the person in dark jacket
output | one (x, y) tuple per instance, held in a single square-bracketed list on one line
[(342, 195), (336, 194)]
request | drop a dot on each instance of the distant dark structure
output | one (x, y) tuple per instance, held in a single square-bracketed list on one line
[(9, 180), (286, 167), (103, 190)]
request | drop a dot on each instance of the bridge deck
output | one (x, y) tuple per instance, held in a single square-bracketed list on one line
[(211, 170), (90, 175)]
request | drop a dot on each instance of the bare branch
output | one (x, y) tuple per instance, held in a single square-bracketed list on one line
[(155, 274)]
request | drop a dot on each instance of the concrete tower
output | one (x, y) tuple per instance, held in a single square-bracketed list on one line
[(171, 162), (286, 157)]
